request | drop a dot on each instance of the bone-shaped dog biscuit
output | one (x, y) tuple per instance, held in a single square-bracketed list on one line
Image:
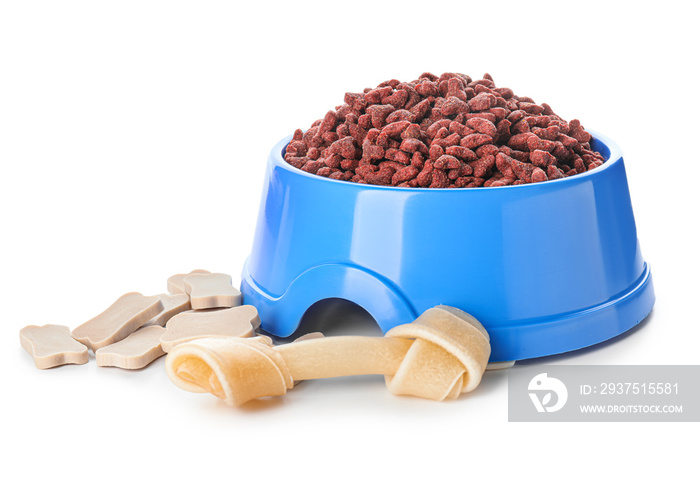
[(123, 317), (135, 351), (211, 290), (441, 354), (52, 345), (229, 322), (172, 305), (176, 283)]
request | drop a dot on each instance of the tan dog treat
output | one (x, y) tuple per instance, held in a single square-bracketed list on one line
[(135, 351), (211, 291), (441, 354), (176, 283), (446, 350), (172, 305), (123, 317), (228, 322), (307, 336), (52, 345)]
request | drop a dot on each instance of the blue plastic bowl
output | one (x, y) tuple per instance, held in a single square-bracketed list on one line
[(547, 267)]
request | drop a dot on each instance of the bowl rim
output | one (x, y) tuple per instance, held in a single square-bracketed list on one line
[(614, 157)]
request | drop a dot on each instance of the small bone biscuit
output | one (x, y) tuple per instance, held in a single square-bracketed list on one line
[(123, 317), (135, 351), (172, 305), (176, 283), (52, 345), (211, 290), (229, 322)]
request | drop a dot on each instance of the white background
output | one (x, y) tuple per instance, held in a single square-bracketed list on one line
[(133, 141)]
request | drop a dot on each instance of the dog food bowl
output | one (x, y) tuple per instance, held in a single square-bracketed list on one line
[(547, 267)]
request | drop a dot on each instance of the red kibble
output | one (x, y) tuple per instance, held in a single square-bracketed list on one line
[(542, 158), (329, 137), (349, 165), (523, 170), (435, 152), (427, 89), (498, 112), (442, 132), (334, 160), (379, 114), (417, 160), (481, 102), (504, 165), (475, 140), (550, 133), (453, 106), (486, 150), (519, 141), (451, 140), (447, 162), (482, 125), (399, 115), (404, 175), (378, 94), (536, 143), (398, 99), (531, 108), (459, 151), (440, 179), (538, 175), (372, 152), (412, 131), (577, 131), (421, 109), (412, 145), (345, 147), (312, 166), (396, 155), (395, 129), (483, 166), (425, 177), (435, 127), (553, 173), (329, 122)]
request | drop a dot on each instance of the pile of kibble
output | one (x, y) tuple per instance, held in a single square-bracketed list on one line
[(442, 132)]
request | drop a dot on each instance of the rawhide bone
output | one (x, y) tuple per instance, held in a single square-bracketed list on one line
[(441, 354)]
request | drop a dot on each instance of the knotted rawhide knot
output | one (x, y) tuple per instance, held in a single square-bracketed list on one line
[(443, 353), (448, 357)]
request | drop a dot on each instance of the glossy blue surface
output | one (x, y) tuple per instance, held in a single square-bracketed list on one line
[(547, 268)]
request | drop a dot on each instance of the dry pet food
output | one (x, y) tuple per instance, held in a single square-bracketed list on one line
[(176, 283), (52, 345), (446, 131), (172, 305), (228, 322), (135, 351), (123, 317), (441, 354)]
